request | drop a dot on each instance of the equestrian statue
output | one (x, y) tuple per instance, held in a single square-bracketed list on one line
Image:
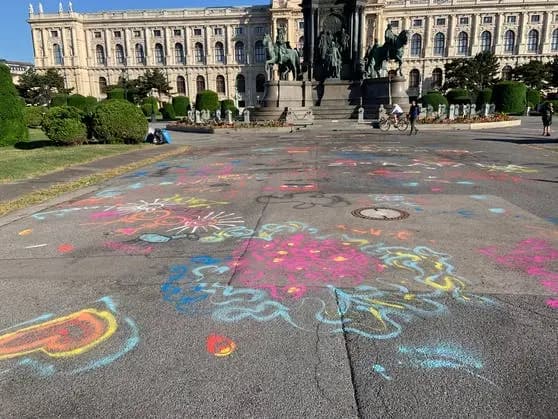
[(283, 55), (392, 49)]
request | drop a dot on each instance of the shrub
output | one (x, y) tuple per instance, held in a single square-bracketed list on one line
[(510, 97), (434, 98), (484, 97), (90, 103), (459, 96), (168, 111), (34, 116), (118, 121), (228, 104), (207, 100), (13, 125), (65, 124), (149, 105), (533, 98), (116, 93), (59, 100), (181, 105)]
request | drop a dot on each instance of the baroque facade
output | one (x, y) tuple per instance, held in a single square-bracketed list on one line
[(220, 48)]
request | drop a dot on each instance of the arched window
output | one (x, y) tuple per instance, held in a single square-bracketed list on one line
[(181, 85), (220, 84), (198, 50), (486, 41), (533, 40), (554, 42), (509, 42), (57, 54), (414, 78), (100, 53), (463, 43), (260, 83), (437, 78), (240, 84), (119, 53), (259, 52), (140, 56), (239, 52), (416, 45), (159, 54), (507, 73), (200, 83), (102, 85), (219, 52), (178, 53), (439, 43)]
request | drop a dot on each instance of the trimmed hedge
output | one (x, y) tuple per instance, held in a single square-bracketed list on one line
[(13, 121), (59, 100), (510, 97), (34, 116), (228, 104), (459, 97), (533, 98), (119, 121), (77, 101), (434, 98), (116, 93), (207, 100), (181, 105), (65, 124), (168, 111), (484, 97), (149, 105)]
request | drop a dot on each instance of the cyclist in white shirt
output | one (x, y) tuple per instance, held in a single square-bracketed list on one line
[(396, 112)]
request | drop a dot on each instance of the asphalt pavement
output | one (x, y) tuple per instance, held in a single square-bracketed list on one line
[(327, 272)]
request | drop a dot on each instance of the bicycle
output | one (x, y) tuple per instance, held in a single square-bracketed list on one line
[(386, 123)]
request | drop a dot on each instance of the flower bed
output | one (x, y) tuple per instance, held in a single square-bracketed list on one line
[(466, 120), (211, 127)]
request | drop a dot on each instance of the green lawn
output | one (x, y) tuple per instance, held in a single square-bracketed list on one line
[(35, 157)]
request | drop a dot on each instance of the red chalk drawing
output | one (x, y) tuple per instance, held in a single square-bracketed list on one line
[(65, 248), (220, 345)]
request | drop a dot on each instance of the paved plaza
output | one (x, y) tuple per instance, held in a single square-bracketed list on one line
[(319, 273)]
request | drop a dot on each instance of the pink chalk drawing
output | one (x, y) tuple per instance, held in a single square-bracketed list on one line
[(300, 261), (532, 256)]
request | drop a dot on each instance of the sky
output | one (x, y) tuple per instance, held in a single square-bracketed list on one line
[(15, 34)]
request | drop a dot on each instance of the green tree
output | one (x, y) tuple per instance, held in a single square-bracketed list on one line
[(39, 88), (155, 79), (553, 69), (474, 74), (13, 121), (534, 74)]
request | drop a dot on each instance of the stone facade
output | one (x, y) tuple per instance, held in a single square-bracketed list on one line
[(212, 47), (17, 68)]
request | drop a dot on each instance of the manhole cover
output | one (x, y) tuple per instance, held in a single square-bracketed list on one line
[(379, 213)]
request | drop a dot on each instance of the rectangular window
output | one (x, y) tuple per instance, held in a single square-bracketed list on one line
[(97, 34), (394, 23), (177, 32), (54, 34), (441, 21), (218, 31), (157, 33), (197, 32), (238, 30), (417, 22), (117, 34), (535, 18), (511, 19), (464, 20), (260, 30), (301, 25), (487, 19), (137, 34)]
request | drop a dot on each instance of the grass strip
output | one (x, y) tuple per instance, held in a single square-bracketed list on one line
[(42, 195)]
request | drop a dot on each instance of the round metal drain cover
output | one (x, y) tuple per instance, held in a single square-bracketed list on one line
[(379, 213)]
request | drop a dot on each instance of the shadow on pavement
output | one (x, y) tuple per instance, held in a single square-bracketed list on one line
[(521, 141)]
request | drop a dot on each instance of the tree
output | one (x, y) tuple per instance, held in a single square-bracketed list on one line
[(553, 69), (39, 88), (534, 74), (474, 74), (13, 124), (153, 80)]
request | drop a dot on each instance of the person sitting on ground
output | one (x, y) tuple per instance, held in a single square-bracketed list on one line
[(396, 112)]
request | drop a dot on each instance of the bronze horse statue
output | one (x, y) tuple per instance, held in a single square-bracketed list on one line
[(287, 60), (377, 55)]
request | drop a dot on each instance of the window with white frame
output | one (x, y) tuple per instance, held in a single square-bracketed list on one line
[(218, 31), (511, 19), (416, 45), (463, 43), (464, 20), (197, 32), (533, 40), (487, 19), (219, 52), (440, 21), (417, 23), (509, 42), (535, 18), (439, 43)]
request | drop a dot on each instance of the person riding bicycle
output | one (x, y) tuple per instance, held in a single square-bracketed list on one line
[(396, 112)]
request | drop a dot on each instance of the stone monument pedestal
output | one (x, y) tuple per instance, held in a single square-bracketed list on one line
[(384, 91), (281, 96), (336, 99)]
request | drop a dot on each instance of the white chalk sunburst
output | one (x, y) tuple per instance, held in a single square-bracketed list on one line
[(213, 220)]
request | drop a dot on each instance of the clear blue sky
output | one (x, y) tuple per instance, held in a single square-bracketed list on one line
[(15, 35)]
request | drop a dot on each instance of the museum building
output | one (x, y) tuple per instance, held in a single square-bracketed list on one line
[(221, 48)]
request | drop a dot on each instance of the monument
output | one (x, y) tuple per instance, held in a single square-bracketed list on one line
[(335, 76)]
